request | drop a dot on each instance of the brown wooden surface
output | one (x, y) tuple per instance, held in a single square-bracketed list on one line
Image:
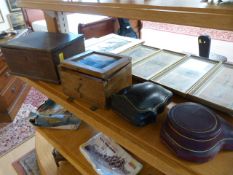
[(44, 156), (52, 25), (144, 142), (95, 90), (13, 91), (97, 28), (192, 12), (65, 168), (16, 105)]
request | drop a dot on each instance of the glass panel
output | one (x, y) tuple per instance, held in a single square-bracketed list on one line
[(219, 88), (155, 64), (185, 75), (109, 44), (96, 61), (139, 53)]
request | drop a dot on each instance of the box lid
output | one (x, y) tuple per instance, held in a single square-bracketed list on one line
[(46, 41), (97, 64)]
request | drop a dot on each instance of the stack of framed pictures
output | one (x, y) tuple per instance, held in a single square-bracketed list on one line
[(140, 52), (187, 74), (113, 43), (206, 81), (216, 91), (156, 64)]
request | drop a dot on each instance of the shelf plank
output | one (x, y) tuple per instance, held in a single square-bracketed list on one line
[(191, 12), (67, 142), (67, 169), (144, 142), (44, 156)]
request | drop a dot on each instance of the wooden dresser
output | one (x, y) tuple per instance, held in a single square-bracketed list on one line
[(12, 93)]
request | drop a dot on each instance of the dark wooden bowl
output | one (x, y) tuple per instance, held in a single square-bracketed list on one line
[(196, 133)]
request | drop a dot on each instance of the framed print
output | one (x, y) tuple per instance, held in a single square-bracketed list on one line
[(217, 90), (139, 52), (113, 43), (16, 20), (152, 65), (186, 74), (12, 4), (1, 17)]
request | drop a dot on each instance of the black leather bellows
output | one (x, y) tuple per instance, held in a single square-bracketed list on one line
[(140, 103)]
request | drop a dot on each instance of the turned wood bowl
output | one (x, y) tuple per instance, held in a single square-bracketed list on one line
[(196, 133)]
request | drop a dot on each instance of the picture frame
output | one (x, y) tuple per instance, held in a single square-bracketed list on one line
[(113, 43), (12, 5), (16, 20), (1, 17), (139, 52), (216, 91), (97, 64), (156, 64), (186, 75)]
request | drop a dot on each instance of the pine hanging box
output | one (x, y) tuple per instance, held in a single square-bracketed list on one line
[(37, 54), (94, 76)]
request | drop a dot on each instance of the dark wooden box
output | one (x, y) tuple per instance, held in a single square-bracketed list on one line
[(95, 76), (37, 55)]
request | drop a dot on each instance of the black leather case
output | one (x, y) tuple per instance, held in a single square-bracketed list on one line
[(140, 103)]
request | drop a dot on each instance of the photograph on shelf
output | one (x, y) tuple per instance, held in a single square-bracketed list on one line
[(113, 43), (139, 52), (1, 17), (217, 89), (12, 4), (107, 157), (156, 63), (186, 74)]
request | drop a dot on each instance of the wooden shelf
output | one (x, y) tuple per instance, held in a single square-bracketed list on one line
[(144, 142), (67, 169), (44, 156), (67, 142), (184, 12)]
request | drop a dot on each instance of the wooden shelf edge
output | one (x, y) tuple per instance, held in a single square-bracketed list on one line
[(44, 156), (201, 15)]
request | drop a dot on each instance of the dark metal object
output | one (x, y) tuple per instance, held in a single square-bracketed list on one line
[(204, 42)]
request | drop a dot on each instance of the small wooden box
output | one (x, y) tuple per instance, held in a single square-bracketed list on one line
[(38, 54), (95, 76)]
